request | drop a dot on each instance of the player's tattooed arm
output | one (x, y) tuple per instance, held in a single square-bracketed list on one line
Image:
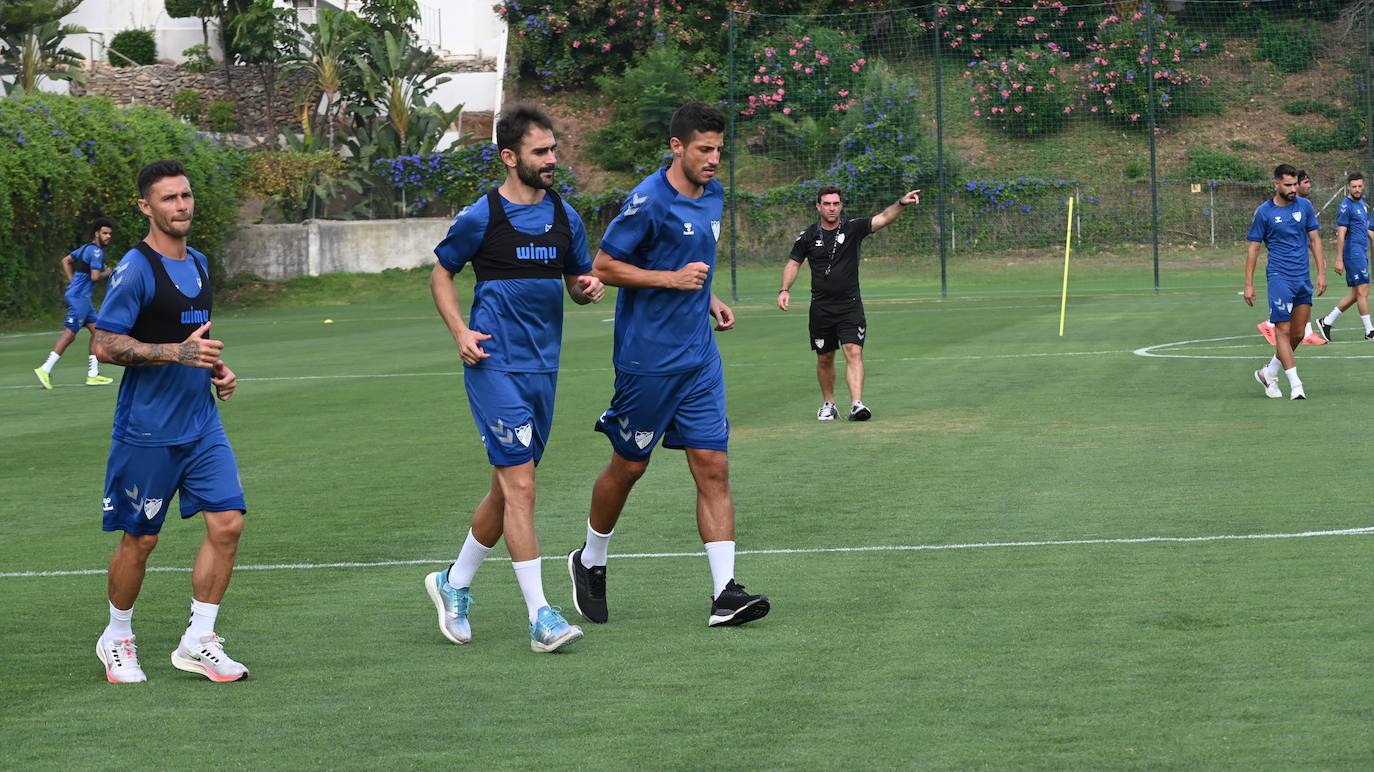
[(195, 351)]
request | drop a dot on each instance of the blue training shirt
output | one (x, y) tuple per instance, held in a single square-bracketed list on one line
[(524, 317), (1284, 229), (168, 404), (657, 330), (1354, 216), (81, 285)]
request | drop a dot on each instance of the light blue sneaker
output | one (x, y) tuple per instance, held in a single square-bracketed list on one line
[(452, 606), (551, 632)]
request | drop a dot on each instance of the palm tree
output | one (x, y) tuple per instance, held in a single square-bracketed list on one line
[(327, 43), (32, 34)]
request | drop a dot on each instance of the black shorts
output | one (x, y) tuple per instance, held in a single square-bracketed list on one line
[(831, 327)]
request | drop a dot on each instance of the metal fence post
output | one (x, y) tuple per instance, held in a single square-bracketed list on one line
[(940, 156), (734, 159), (1154, 168)]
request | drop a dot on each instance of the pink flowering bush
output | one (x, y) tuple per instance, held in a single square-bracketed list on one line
[(1022, 94), (1117, 77), (800, 73), (985, 28)]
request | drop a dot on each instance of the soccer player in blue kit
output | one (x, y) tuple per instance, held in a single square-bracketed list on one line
[(669, 383), (1352, 256), (526, 246), (168, 438), (1287, 225), (84, 266)]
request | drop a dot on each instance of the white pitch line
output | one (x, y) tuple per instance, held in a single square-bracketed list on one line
[(1362, 531), (1159, 351)]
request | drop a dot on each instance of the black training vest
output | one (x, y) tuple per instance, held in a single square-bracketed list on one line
[(171, 317), (506, 253)]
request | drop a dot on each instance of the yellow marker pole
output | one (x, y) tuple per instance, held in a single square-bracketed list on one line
[(1064, 299)]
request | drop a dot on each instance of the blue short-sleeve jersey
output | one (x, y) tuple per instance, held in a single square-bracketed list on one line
[(1284, 229), (169, 404), (87, 257), (657, 330), (524, 317), (1354, 216)]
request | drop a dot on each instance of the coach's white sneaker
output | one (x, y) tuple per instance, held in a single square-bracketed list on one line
[(827, 412), (1297, 393), (120, 658), (1271, 389), (207, 658)]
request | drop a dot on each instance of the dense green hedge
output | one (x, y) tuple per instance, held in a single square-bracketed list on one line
[(67, 160)]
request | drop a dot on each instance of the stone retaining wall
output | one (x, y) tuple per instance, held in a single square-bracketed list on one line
[(157, 84)]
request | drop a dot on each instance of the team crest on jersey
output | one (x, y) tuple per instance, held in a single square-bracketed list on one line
[(839, 238), (522, 433), (820, 342), (151, 507), (642, 439), (715, 229), (1297, 216)]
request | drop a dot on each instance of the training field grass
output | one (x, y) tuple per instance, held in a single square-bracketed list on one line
[(971, 580)]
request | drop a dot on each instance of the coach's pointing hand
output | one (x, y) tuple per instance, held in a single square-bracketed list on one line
[(198, 350), (911, 198), (690, 277)]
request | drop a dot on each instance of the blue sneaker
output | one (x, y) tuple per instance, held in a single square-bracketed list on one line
[(452, 606), (551, 632)]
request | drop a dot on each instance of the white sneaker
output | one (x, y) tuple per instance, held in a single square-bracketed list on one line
[(120, 658), (1297, 393), (827, 412), (1271, 389), (208, 659), (860, 412)]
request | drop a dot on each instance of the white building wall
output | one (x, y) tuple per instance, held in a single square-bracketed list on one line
[(105, 18)]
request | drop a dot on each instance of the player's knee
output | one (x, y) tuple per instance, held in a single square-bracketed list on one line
[(625, 470), (853, 351), (224, 528), (517, 488), (139, 546)]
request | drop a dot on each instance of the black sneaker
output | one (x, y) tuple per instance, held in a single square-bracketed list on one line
[(589, 587), (860, 412), (1369, 335), (1325, 330), (735, 606)]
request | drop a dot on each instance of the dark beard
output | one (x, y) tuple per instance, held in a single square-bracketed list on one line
[(532, 177)]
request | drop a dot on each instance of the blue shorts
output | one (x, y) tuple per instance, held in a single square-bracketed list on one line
[(140, 481), (80, 313), (513, 412), (1356, 271), (1285, 294), (686, 410)]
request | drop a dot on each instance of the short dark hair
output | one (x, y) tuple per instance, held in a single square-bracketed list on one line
[(695, 117), (1302, 175), (157, 170), (1285, 170), (1355, 176), (515, 121), (827, 190), (101, 222)]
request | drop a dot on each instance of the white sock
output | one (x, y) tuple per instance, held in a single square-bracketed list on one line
[(92, 367), (1368, 327), (594, 554), (1332, 317), (531, 586), (1293, 379), (721, 555), (53, 356), (202, 623), (1272, 369), (121, 624), (470, 559)]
